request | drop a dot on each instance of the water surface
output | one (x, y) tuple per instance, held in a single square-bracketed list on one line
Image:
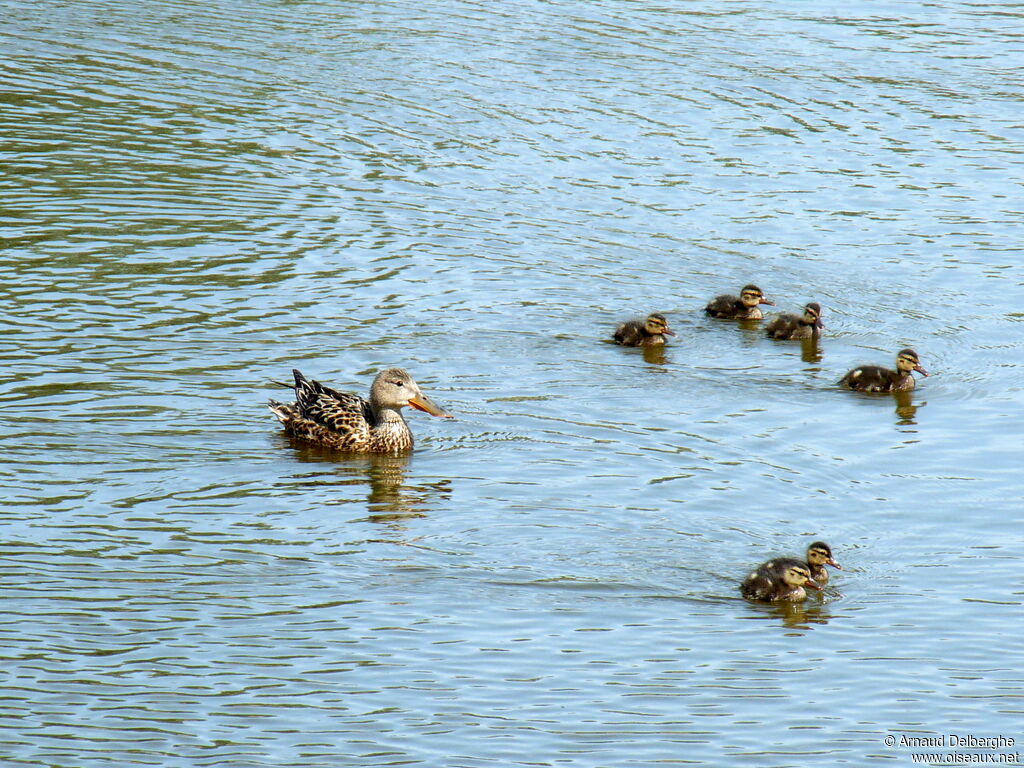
[(198, 198)]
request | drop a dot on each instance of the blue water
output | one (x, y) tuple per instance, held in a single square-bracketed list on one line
[(200, 197)]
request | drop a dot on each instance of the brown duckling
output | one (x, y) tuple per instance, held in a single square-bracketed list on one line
[(806, 326), (875, 378), (347, 422), (643, 333), (819, 554), (743, 308), (782, 578)]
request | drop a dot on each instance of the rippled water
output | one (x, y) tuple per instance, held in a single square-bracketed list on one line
[(200, 197)]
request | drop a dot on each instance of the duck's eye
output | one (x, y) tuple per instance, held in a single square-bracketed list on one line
[(398, 383)]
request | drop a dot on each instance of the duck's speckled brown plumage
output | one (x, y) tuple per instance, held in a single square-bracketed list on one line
[(742, 307), (819, 554), (875, 378), (650, 332), (782, 578), (805, 326), (347, 422)]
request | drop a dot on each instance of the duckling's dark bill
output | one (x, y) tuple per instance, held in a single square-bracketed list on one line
[(812, 584), (425, 404)]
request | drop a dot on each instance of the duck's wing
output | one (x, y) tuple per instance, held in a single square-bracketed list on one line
[(869, 378), (783, 326), (757, 585), (756, 590), (628, 333), (722, 306), (337, 411)]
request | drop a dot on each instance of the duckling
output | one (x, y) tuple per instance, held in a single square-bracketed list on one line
[(807, 326), (743, 308), (643, 333), (819, 554), (347, 422), (783, 578), (875, 378)]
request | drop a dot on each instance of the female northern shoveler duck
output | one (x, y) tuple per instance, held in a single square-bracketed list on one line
[(743, 308), (806, 326), (643, 333), (783, 578), (875, 378), (348, 422), (819, 554)]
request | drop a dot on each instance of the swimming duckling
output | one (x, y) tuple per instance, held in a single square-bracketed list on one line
[(875, 378), (807, 326), (783, 578), (347, 422), (743, 308), (819, 554), (643, 333)]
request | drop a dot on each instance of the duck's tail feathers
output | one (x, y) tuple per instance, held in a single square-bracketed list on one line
[(283, 412)]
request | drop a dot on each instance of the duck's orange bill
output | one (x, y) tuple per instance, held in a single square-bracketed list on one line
[(813, 584), (425, 404), (920, 370), (834, 564)]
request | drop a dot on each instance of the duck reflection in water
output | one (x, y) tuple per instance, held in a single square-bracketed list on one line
[(389, 499), (905, 407), (906, 410), (751, 332), (794, 614), (654, 355), (810, 351)]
